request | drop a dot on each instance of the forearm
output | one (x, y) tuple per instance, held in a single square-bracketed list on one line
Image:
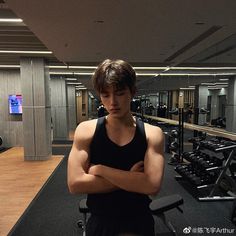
[(127, 180), (88, 184)]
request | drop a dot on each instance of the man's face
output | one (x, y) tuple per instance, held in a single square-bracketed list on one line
[(116, 101)]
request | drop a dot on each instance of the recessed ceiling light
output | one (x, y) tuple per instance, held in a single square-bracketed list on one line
[(10, 20), (187, 88), (9, 66), (25, 52), (71, 79), (211, 84), (199, 23), (146, 74), (99, 21), (149, 68), (81, 88), (74, 83)]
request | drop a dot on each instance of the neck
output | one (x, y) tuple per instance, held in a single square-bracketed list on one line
[(126, 120)]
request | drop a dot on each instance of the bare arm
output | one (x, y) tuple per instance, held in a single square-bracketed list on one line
[(148, 181), (78, 178)]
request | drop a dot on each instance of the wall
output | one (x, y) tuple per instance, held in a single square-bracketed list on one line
[(11, 126)]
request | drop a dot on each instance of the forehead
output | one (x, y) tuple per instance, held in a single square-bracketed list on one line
[(113, 88)]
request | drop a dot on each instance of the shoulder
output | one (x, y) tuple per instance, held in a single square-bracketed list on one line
[(153, 133), (85, 130)]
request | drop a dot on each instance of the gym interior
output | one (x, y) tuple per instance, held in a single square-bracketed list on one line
[(184, 56)]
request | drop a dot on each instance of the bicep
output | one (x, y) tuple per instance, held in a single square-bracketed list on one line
[(78, 162), (154, 160)]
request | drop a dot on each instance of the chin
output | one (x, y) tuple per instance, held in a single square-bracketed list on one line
[(119, 114), (115, 114)]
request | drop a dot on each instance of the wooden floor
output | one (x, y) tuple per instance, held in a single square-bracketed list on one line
[(20, 181)]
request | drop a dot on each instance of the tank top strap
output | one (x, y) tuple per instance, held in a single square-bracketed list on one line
[(100, 125), (140, 128), (101, 121)]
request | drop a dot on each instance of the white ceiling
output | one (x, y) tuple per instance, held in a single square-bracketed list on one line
[(146, 33)]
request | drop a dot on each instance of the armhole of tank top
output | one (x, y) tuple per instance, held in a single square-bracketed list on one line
[(99, 124), (141, 128)]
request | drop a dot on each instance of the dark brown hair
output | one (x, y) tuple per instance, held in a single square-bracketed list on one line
[(114, 72)]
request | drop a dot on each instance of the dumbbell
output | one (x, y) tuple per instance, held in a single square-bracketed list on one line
[(216, 162), (195, 180), (195, 159), (193, 177), (174, 133), (190, 156), (203, 178), (228, 143), (189, 174), (194, 140), (181, 169), (174, 146), (213, 175)]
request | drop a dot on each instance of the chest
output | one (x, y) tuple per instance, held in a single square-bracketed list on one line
[(117, 152), (121, 137)]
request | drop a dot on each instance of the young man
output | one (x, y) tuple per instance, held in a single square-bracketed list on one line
[(117, 160)]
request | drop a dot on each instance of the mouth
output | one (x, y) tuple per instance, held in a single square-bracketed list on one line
[(114, 109)]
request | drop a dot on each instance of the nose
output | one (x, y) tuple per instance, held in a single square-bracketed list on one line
[(113, 99)]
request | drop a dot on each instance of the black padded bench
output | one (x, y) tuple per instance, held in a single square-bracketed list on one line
[(84, 210), (161, 205), (158, 207)]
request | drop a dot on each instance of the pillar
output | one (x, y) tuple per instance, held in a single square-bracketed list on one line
[(36, 109), (59, 103), (200, 101), (71, 107), (230, 111), (214, 104)]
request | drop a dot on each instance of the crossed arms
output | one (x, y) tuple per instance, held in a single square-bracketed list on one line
[(144, 177)]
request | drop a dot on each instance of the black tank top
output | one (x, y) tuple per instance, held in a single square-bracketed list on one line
[(104, 151)]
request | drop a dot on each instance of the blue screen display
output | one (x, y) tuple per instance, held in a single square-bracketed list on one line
[(15, 104)]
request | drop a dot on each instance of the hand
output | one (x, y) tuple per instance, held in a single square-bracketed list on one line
[(138, 167), (93, 169)]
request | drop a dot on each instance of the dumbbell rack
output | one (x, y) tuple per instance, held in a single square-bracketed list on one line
[(232, 151), (229, 152), (179, 138)]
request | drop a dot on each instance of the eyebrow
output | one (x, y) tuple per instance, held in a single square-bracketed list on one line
[(104, 90)]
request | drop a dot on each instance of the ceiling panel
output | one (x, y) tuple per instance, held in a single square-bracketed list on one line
[(139, 31), (145, 32)]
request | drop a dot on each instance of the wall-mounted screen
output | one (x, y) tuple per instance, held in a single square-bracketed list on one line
[(15, 104)]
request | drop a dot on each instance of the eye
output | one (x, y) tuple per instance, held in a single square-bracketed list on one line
[(104, 95), (120, 93)]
